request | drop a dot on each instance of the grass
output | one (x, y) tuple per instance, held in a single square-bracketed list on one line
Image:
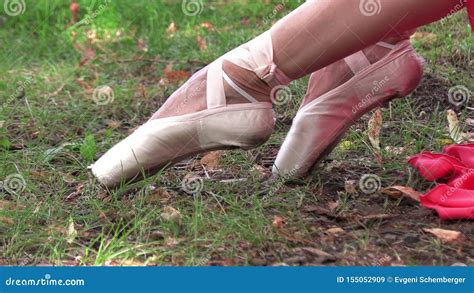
[(52, 129)]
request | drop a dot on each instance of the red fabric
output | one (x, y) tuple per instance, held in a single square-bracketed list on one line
[(437, 166), (462, 152), (454, 200), (470, 12)]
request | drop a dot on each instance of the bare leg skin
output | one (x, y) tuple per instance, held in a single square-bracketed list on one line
[(304, 42)]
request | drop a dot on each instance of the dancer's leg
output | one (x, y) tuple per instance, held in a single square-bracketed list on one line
[(315, 35), (321, 32)]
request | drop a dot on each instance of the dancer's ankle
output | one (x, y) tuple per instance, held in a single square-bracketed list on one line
[(247, 81)]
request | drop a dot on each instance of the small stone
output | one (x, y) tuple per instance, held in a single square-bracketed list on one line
[(411, 238), (390, 237)]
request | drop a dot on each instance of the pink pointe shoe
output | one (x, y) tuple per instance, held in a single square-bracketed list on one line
[(162, 142), (319, 125)]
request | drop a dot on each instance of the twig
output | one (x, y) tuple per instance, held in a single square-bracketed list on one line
[(157, 60), (55, 93)]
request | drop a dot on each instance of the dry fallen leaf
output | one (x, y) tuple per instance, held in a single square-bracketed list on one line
[(446, 236), (87, 88), (398, 191), (7, 220), (207, 25), (262, 172), (5, 204), (318, 253), (425, 37), (71, 232), (113, 124), (335, 230), (171, 28), (142, 45), (171, 214), (201, 43), (87, 53), (350, 186), (158, 195), (278, 222), (174, 76), (75, 194), (212, 160), (171, 242), (454, 128), (375, 125), (132, 263)]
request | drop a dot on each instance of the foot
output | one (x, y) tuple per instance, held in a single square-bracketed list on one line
[(338, 73), (225, 105), (350, 89), (191, 97)]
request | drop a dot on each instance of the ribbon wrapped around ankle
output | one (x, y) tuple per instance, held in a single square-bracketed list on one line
[(455, 198), (261, 49), (272, 75)]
